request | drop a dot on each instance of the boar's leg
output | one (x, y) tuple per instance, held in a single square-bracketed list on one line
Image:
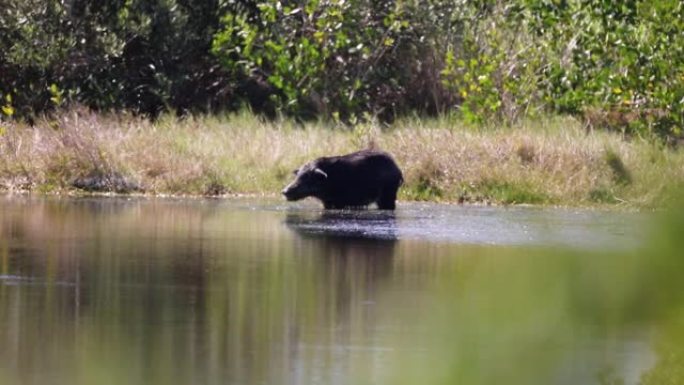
[(388, 198)]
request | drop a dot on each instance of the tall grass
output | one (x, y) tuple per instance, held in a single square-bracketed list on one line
[(548, 161)]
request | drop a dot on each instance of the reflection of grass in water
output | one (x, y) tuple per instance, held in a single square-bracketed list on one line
[(669, 347), (521, 316), (6, 378), (508, 315), (669, 342)]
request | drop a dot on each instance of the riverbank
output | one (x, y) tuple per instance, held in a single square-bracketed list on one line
[(550, 161)]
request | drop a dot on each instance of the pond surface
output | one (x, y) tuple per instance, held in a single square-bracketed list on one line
[(248, 291)]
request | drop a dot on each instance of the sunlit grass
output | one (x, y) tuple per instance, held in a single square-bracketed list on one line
[(548, 161)]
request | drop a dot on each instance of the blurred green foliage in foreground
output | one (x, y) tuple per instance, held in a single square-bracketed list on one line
[(553, 316), (616, 65)]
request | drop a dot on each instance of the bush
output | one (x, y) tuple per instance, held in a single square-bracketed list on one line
[(626, 61), (329, 58), (617, 66), (144, 56)]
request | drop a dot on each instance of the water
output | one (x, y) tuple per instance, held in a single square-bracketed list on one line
[(476, 225), (248, 291)]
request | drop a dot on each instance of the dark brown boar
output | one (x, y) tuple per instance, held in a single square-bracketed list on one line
[(349, 181)]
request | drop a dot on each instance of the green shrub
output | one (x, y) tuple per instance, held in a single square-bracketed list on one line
[(137, 55), (619, 66), (625, 60), (329, 58)]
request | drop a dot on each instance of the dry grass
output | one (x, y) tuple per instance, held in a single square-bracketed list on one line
[(549, 161)]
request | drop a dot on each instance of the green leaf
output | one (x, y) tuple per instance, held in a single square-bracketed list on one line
[(8, 110)]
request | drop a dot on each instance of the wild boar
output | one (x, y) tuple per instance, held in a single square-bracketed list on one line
[(349, 181)]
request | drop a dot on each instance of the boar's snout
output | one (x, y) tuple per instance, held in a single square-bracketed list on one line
[(290, 193)]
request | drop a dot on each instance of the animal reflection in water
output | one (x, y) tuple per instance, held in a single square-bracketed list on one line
[(355, 248), (345, 225)]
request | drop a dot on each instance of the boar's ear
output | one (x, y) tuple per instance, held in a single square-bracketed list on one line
[(295, 171), (319, 171)]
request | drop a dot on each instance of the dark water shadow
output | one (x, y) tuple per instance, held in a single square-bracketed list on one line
[(354, 249), (344, 224)]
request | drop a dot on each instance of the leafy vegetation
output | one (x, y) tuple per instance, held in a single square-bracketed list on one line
[(616, 66), (144, 56)]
